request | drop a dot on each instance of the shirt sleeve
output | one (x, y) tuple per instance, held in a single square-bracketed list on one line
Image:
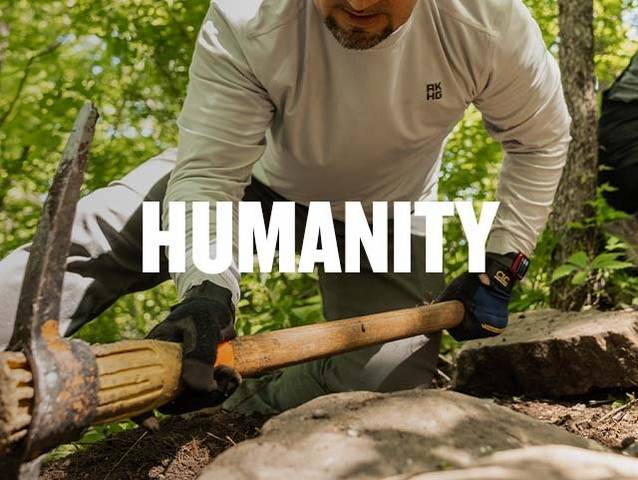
[(221, 135), (523, 107)]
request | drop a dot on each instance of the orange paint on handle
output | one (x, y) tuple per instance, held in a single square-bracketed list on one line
[(225, 355)]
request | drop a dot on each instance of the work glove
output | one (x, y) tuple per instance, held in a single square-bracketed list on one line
[(486, 296), (200, 322)]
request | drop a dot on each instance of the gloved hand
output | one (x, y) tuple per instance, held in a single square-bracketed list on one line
[(201, 321), (486, 296)]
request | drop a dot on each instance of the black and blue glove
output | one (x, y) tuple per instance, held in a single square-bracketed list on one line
[(486, 296), (200, 322)]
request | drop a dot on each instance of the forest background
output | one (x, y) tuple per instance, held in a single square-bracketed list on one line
[(131, 58)]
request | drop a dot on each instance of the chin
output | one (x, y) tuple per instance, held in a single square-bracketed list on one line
[(355, 37)]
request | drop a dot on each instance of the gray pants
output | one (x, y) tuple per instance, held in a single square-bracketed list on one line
[(105, 263)]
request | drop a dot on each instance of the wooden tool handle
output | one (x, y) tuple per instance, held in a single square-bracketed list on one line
[(257, 354), (138, 376), (134, 377)]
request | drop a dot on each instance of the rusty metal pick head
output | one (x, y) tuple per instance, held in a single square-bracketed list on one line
[(42, 285), (64, 372)]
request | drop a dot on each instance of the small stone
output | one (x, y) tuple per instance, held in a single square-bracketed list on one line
[(319, 414), (627, 442), (631, 450), (352, 432)]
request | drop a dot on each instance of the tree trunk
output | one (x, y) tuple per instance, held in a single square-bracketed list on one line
[(578, 185)]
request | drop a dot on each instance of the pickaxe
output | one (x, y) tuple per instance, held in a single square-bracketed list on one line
[(51, 389), (63, 375)]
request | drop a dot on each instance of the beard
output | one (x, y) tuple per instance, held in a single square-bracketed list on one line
[(356, 39)]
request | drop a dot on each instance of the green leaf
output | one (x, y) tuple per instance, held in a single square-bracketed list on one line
[(615, 243), (617, 265), (618, 404), (563, 271), (609, 261), (576, 225), (604, 259), (580, 278), (579, 259)]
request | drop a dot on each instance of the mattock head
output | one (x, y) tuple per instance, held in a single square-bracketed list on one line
[(65, 377)]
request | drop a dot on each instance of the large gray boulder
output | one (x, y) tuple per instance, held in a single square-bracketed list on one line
[(363, 435), (548, 353), (551, 462)]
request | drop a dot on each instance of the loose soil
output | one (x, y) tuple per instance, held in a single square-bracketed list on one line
[(184, 447), (180, 450), (615, 427)]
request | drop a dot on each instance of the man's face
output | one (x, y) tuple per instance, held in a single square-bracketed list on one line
[(362, 24)]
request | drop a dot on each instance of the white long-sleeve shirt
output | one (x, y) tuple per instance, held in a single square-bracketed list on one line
[(274, 95)]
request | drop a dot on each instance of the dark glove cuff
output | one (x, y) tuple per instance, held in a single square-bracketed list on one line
[(505, 270), (210, 291), (222, 298)]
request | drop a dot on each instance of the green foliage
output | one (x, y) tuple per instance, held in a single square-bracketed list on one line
[(131, 59), (533, 292), (471, 161), (613, 51), (614, 278), (274, 301), (581, 268), (603, 212), (94, 435), (131, 317), (627, 400)]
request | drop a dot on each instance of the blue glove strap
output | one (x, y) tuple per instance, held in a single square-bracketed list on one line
[(486, 307), (490, 309)]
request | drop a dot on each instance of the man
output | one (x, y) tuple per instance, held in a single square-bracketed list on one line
[(618, 153), (335, 100), (618, 139)]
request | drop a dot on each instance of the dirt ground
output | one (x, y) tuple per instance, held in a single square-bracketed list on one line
[(614, 426), (184, 447), (180, 450)]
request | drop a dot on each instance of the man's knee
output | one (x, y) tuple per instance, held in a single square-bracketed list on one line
[(105, 249)]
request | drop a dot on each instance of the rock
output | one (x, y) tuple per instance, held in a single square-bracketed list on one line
[(631, 449), (552, 462), (550, 354), (371, 435)]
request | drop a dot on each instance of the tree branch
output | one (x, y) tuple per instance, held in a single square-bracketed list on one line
[(25, 76)]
